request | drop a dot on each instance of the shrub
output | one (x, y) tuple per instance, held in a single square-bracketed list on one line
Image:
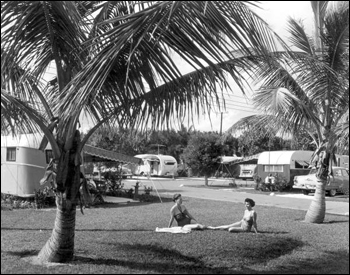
[(43, 197), (9, 202), (147, 198), (281, 183)]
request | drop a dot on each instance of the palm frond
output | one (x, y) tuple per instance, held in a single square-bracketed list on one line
[(18, 116), (299, 38), (135, 55)]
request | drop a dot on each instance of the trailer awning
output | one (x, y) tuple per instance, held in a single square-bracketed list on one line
[(95, 154), (302, 163)]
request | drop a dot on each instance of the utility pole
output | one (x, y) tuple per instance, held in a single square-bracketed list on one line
[(221, 125), (221, 122)]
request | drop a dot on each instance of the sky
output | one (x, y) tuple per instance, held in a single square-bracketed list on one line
[(276, 14)]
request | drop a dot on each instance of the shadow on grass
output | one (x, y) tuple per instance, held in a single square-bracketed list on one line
[(24, 253), (330, 262), (155, 258), (161, 260), (272, 232), (331, 222), (344, 219)]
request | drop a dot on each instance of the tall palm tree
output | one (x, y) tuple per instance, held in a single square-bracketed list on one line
[(309, 90), (114, 61)]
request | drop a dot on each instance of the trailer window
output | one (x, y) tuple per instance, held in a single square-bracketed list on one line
[(49, 156), (169, 163), (273, 168), (11, 154)]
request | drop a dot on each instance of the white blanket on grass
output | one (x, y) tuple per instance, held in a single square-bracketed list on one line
[(175, 229)]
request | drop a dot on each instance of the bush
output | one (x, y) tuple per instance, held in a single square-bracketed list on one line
[(9, 202), (281, 183), (147, 198), (44, 197)]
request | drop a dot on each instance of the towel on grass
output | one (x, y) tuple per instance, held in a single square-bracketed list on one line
[(175, 229)]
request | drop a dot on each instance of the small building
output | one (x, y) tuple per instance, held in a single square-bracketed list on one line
[(285, 163), (156, 165)]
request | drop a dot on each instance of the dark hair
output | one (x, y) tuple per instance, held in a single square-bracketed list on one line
[(251, 202), (176, 196)]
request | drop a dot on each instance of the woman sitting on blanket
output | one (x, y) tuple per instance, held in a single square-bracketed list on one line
[(182, 216), (246, 224)]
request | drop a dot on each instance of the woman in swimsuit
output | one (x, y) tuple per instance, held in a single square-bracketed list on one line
[(182, 216), (246, 224)]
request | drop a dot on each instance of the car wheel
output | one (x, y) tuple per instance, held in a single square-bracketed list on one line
[(305, 192), (332, 192)]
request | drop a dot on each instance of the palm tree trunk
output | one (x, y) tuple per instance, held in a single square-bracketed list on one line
[(206, 180), (317, 210), (60, 246)]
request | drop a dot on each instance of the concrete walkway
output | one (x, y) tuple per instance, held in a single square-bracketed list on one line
[(118, 199)]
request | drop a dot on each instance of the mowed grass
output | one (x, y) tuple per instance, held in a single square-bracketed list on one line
[(121, 238)]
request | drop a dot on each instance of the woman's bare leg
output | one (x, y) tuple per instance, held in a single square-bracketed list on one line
[(235, 229), (195, 226), (225, 227)]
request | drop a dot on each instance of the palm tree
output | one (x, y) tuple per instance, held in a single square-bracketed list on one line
[(309, 90), (114, 61)]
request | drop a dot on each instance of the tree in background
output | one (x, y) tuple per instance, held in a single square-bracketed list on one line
[(203, 152), (124, 141), (252, 142)]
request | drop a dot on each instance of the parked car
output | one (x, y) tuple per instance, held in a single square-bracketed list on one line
[(337, 183)]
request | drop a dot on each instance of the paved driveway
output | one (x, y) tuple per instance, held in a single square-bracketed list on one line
[(187, 188)]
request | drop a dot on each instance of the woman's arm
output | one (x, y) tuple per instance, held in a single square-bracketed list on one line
[(171, 217), (171, 221), (255, 226)]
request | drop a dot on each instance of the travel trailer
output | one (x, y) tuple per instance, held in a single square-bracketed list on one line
[(22, 164), (156, 165), (285, 163)]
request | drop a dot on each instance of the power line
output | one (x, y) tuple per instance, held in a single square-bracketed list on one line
[(228, 94), (244, 110), (236, 109), (235, 105)]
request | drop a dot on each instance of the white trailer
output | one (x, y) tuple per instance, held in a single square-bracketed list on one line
[(156, 165)]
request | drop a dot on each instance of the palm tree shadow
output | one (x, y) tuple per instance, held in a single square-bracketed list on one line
[(22, 254), (331, 222), (183, 264), (273, 232)]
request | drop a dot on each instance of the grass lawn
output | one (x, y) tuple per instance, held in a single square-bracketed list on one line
[(121, 238)]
